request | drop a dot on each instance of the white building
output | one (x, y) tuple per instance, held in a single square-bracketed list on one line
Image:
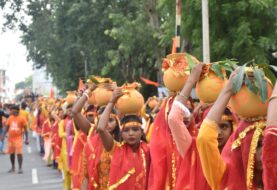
[(42, 83)]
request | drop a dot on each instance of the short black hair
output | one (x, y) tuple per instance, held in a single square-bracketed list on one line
[(23, 105), (14, 107), (128, 118)]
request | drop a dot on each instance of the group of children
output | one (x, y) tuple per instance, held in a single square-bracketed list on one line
[(178, 144)]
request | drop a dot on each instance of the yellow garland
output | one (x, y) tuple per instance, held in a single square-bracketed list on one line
[(173, 170), (122, 180), (241, 136), (252, 152)]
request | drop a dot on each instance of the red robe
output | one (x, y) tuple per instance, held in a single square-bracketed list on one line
[(77, 160), (164, 154)]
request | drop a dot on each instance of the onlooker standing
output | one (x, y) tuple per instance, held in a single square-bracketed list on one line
[(15, 126)]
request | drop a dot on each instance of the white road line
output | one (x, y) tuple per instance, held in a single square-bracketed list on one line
[(29, 149), (34, 176)]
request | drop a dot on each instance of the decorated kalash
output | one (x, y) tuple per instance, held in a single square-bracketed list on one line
[(246, 160)]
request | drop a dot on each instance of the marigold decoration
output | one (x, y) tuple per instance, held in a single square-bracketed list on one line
[(176, 68), (132, 101)]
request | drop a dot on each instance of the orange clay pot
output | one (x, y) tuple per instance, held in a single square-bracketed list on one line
[(209, 87), (102, 95), (71, 97), (92, 100), (51, 101), (153, 102), (131, 102), (176, 73), (247, 104)]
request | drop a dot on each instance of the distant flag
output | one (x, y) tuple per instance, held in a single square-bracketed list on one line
[(147, 81), (51, 95)]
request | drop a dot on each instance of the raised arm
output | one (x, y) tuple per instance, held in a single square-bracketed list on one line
[(212, 163), (106, 137), (78, 117), (179, 112)]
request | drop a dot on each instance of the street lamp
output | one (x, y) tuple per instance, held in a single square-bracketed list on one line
[(86, 64)]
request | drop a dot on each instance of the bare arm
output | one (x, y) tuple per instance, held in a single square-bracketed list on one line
[(106, 137), (179, 111), (221, 102), (272, 111), (78, 117)]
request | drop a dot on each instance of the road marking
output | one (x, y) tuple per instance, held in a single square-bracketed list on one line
[(29, 149), (34, 176)]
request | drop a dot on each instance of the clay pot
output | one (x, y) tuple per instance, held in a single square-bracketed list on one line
[(92, 100), (176, 73), (102, 94), (153, 102), (247, 104), (209, 87), (71, 97), (131, 102)]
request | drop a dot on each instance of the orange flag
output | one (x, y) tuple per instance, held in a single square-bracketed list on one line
[(81, 85), (173, 50), (147, 81)]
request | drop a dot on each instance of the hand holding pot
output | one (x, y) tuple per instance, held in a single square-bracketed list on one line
[(117, 93)]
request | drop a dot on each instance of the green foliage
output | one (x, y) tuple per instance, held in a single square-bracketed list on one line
[(27, 83)]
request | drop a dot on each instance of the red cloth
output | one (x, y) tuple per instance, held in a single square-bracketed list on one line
[(164, 154), (129, 166), (77, 160), (269, 156), (93, 149), (237, 159), (46, 129), (56, 141)]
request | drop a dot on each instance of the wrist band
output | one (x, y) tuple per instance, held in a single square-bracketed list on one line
[(183, 96), (273, 96), (86, 94)]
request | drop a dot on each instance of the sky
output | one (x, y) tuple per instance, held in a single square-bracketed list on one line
[(13, 55)]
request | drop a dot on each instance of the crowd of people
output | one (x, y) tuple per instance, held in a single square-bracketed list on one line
[(177, 143)]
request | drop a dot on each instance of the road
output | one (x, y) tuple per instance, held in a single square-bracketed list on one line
[(36, 175)]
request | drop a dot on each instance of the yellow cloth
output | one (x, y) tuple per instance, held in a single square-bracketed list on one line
[(212, 163), (26, 115), (63, 160)]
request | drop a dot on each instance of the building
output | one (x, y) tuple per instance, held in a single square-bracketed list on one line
[(42, 83)]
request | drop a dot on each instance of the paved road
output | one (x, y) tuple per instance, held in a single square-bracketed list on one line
[(36, 176)]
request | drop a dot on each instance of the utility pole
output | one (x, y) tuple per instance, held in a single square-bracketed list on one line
[(178, 26), (205, 31)]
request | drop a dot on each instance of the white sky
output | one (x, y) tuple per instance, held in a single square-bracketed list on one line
[(13, 55)]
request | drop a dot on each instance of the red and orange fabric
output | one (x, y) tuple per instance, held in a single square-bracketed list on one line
[(129, 170), (16, 127), (269, 156), (77, 160), (164, 154), (234, 169), (56, 141)]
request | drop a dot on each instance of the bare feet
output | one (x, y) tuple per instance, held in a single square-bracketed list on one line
[(12, 170), (20, 171)]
